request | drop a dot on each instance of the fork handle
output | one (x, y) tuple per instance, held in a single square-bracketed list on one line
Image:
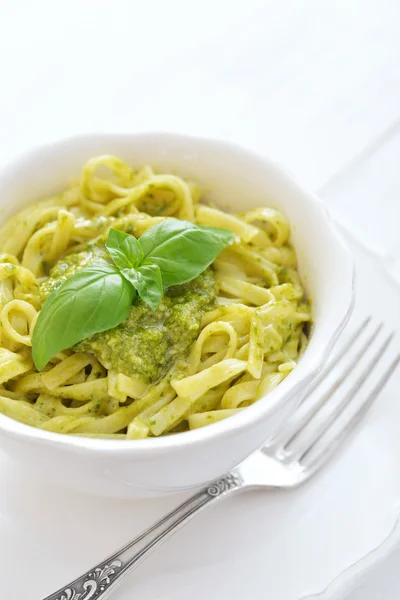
[(102, 579)]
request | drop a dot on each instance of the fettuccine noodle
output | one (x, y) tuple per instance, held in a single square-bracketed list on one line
[(248, 342)]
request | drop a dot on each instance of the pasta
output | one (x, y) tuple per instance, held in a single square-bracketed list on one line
[(223, 341)]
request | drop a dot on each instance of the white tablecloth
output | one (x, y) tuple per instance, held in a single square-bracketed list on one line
[(313, 83)]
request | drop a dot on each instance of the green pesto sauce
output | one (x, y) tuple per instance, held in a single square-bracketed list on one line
[(148, 343)]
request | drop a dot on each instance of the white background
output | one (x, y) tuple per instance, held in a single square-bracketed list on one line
[(313, 83)]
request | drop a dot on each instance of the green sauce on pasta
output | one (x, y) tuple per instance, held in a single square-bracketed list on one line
[(149, 342)]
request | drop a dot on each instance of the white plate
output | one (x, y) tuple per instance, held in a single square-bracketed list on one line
[(310, 542)]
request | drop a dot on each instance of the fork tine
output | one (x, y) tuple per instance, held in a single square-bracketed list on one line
[(352, 423), (303, 421), (372, 363)]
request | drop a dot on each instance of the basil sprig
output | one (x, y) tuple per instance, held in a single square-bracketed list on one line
[(99, 296)]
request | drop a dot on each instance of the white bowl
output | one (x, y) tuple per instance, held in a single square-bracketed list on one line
[(240, 180)]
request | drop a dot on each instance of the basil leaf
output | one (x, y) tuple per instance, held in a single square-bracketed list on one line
[(95, 299), (124, 249), (182, 249), (148, 283)]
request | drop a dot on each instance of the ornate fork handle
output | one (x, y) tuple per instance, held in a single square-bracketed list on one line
[(99, 582)]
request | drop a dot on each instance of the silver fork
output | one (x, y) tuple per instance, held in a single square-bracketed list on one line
[(287, 462)]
